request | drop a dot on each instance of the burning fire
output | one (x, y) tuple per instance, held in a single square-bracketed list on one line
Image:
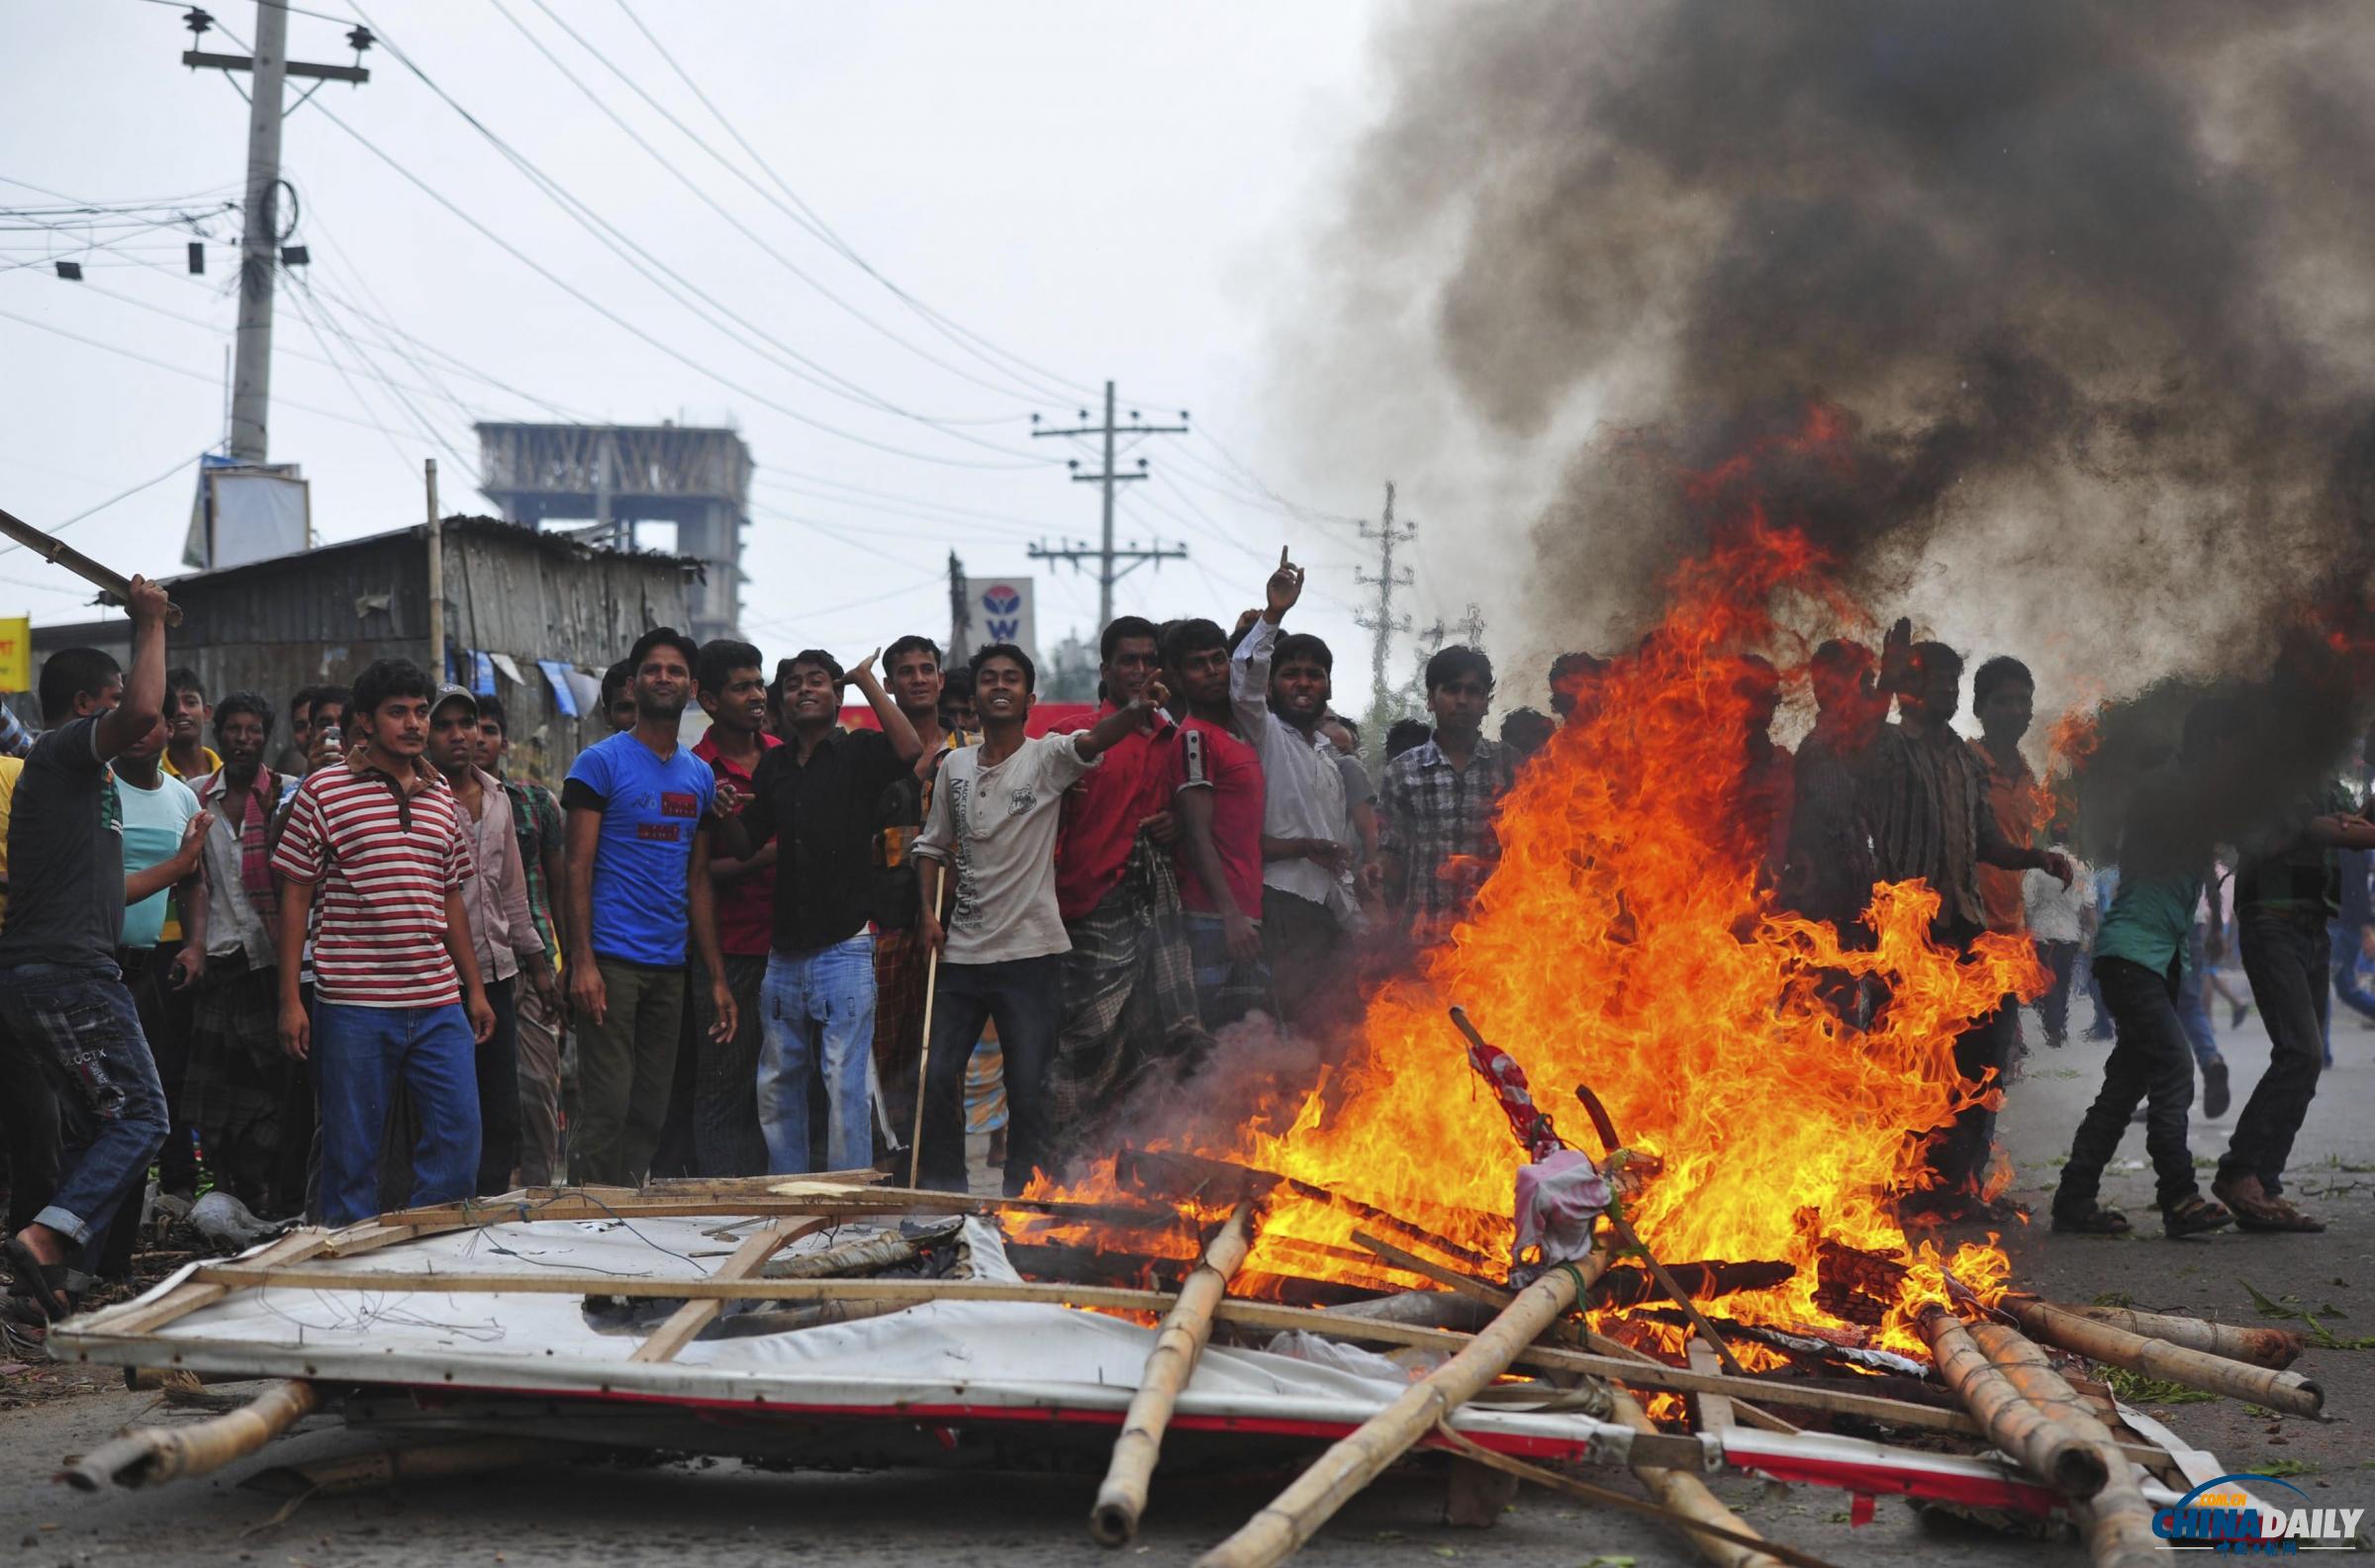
[(1624, 943)]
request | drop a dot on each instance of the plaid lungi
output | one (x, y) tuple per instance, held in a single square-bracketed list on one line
[(232, 1092), (1129, 990)]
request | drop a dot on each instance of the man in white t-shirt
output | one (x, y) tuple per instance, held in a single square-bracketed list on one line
[(2060, 921), (994, 818)]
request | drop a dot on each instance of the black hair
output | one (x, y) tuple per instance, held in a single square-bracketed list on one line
[(491, 708), (70, 672), (1932, 657), (1527, 730), (616, 680), (303, 699), (720, 658), (911, 643), (958, 682), (1405, 733), (1349, 727), (1450, 663), (661, 637), (1302, 645), (337, 697), (383, 678), (1121, 626), (182, 678), (1841, 655), (1194, 635), (1573, 664), (815, 658), (235, 704), (1996, 671), (1006, 650)]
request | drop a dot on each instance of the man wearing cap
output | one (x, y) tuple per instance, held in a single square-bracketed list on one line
[(503, 928)]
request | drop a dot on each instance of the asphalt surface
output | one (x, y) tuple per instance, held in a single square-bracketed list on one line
[(697, 1513)]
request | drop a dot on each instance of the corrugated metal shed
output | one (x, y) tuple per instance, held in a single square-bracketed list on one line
[(272, 626)]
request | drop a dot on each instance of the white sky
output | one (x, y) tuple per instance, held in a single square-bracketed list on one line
[(1104, 190)]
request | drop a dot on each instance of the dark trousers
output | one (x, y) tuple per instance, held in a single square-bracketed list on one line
[(2289, 961), (1299, 939), (2061, 957), (28, 1129), (2151, 1060), (1025, 998), (1959, 1155), (626, 1069), (499, 1091), (166, 1017), (726, 1141)]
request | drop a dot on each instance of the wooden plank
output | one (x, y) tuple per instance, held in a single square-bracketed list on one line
[(193, 1293), (695, 1316), (1708, 1412)]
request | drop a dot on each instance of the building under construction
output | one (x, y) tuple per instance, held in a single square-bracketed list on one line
[(611, 477)]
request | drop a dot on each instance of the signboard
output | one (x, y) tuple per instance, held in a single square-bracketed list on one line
[(247, 512), (1002, 612), (15, 654)]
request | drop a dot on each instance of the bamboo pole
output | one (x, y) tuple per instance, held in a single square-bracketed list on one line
[(1113, 1521), (1355, 1460), (2050, 1446), (161, 1453), (1693, 1499), (2274, 1348), (59, 553), (2288, 1392), (2118, 1520)]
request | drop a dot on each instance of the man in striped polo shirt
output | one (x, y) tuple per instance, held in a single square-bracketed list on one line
[(378, 840)]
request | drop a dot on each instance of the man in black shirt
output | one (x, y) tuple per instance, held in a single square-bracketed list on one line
[(820, 794), (62, 996)]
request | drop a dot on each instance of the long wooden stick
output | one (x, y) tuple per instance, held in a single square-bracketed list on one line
[(923, 1062), (1691, 1497), (1122, 1498), (1356, 1459), (160, 1453), (2118, 1518), (2275, 1348), (1698, 1526), (2050, 1443), (2289, 1392), (57, 552)]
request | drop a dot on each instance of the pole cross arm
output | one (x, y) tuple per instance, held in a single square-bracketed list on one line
[(246, 62)]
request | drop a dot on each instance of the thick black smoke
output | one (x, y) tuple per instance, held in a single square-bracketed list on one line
[(2088, 283)]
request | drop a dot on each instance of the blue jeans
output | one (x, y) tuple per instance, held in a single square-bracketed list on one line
[(1026, 996), (2344, 941), (80, 1026), (360, 1052), (818, 1004), (2193, 1014)]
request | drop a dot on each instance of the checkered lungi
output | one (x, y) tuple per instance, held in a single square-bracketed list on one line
[(231, 1094), (1129, 990)]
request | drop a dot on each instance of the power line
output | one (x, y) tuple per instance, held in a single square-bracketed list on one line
[(1105, 479), (1384, 624), (179, 464)]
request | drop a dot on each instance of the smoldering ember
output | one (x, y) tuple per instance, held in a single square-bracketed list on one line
[(1822, 1023)]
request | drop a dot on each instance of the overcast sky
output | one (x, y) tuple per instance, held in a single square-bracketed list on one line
[(1096, 190)]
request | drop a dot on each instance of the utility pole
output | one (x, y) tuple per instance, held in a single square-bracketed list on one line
[(1106, 555), (1384, 623), (259, 241), (960, 614)]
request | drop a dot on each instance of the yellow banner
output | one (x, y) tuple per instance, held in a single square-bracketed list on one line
[(15, 654)]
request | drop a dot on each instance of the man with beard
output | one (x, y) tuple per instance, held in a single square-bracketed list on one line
[(1279, 690), (722, 1116), (1217, 792), (379, 841), (503, 929), (1130, 985), (238, 1081), (1928, 803), (994, 820), (62, 998), (638, 879), (819, 794), (1436, 833)]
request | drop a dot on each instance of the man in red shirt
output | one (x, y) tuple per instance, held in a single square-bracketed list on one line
[(1129, 990), (1215, 777), (721, 1094)]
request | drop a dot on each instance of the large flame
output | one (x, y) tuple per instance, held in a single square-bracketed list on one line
[(1624, 941)]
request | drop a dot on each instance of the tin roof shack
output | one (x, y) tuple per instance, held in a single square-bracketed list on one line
[(272, 626)]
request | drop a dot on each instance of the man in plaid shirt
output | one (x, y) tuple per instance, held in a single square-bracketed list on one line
[(1437, 802)]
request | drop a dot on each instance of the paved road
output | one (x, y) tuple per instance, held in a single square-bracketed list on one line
[(700, 1514)]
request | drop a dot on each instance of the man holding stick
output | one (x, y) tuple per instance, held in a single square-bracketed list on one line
[(62, 996)]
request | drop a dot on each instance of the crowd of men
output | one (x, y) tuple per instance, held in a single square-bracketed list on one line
[(349, 973)]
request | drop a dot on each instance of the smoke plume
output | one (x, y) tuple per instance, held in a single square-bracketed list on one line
[(2085, 284)]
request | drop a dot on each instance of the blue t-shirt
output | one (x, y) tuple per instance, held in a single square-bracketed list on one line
[(152, 824), (651, 808)]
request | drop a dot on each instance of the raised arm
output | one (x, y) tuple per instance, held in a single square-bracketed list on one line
[(1119, 725), (905, 742), (143, 706)]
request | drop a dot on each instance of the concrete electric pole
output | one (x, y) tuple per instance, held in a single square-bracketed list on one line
[(259, 242), (1384, 623), (1106, 555)]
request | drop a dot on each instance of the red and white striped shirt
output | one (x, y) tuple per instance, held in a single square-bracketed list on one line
[(381, 863)]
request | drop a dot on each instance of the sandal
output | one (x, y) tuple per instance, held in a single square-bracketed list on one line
[(2094, 1221), (43, 1284), (2256, 1210), (2192, 1217)]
